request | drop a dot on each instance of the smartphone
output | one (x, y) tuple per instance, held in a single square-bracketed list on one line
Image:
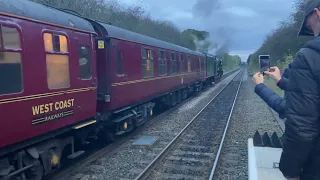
[(264, 63)]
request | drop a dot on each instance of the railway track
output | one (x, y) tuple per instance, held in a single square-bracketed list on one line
[(194, 152), (108, 150), (250, 114)]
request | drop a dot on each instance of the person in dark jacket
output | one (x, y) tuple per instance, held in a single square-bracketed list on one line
[(301, 143), (273, 100)]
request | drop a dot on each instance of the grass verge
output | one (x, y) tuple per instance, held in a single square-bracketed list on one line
[(271, 83)]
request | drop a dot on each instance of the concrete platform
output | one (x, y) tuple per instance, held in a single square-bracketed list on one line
[(264, 163), (145, 142)]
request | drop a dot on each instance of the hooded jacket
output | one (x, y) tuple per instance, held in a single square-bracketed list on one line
[(301, 143)]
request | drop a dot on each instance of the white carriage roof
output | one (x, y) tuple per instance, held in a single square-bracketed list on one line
[(35, 11), (210, 55)]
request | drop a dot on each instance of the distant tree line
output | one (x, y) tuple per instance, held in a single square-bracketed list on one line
[(230, 62), (137, 19), (282, 43)]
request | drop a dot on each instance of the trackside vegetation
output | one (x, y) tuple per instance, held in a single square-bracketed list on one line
[(135, 18)]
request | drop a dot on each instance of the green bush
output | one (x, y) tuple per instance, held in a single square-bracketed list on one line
[(230, 62)]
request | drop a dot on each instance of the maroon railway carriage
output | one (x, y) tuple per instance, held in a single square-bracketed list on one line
[(47, 84), (137, 71), (58, 72)]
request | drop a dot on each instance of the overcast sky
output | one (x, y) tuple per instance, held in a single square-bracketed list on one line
[(243, 23)]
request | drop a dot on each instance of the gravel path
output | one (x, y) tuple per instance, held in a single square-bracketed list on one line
[(250, 114), (129, 161)]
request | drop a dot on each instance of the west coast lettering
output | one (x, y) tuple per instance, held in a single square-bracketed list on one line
[(49, 107)]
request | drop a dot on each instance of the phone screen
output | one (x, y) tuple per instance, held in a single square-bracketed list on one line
[(264, 62)]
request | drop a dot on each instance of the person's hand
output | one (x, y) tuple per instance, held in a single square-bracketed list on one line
[(274, 72), (258, 78)]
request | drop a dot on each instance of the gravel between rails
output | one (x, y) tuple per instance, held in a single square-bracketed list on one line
[(128, 162), (69, 169), (250, 114), (193, 153), (108, 151)]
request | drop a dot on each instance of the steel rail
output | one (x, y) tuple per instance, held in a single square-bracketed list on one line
[(224, 134), (145, 173), (109, 150)]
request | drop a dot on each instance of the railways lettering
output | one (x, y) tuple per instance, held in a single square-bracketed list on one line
[(52, 117), (46, 108), (110, 79)]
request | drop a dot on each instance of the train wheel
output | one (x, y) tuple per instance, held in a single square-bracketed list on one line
[(128, 125), (35, 172)]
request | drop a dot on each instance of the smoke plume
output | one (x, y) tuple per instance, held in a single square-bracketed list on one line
[(224, 49), (205, 8), (217, 23)]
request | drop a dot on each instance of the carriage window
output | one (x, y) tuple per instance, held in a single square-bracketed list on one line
[(173, 64), (189, 64), (57, 71), (63, 43), (10, 72), (119, 62), (147, 63), (48, 42), (194, 66), (144, 53), (55, 42), (84, 62), (162, 63), (10, 62), (10, 37), (182, 64), (57, 58)]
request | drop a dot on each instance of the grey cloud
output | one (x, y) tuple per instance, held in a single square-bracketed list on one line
[(205, 8), (243, 23)]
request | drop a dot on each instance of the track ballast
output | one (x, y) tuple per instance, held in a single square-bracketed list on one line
[(193, 154)]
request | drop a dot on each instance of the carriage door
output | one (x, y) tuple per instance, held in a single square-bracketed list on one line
[(87, 77), (103, 59)]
